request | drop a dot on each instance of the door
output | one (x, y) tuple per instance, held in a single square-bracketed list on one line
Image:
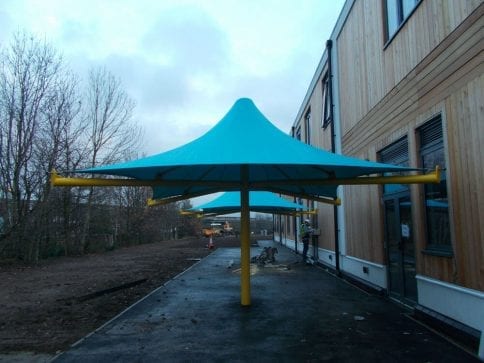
[(402, 284)]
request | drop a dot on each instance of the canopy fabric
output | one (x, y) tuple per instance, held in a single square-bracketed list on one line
[(244, 136), (263, 202)]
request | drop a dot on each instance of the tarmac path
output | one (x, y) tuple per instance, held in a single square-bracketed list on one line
[(299, 313)]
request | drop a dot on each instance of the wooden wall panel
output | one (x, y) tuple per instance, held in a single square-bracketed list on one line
[(465, 125), (368, 71), (430, 67), (326, 225), (363, 223), (351, 68), (442, 72)]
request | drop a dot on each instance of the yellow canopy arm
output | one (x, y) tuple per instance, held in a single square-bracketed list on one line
[(300, 213), (59, 181), (183, 212), (291, 213), (191, 213), (335, 201), (56, 180), (154, 202), (309, 212), (429, 178)]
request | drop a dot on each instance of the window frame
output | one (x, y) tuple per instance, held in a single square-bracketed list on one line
[(437, 145), (401, 20)]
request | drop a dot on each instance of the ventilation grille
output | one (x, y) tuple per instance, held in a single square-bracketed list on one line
[(396, 153), (431, 132)]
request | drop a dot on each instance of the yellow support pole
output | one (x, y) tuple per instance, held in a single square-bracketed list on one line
[(244, 238)]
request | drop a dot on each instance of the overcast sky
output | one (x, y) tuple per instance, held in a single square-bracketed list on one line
[(186, 62)]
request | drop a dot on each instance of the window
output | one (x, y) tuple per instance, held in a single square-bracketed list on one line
[(436, 203), (397, 12), (326, 112), (396, 154), (307, 122), (298, 133)]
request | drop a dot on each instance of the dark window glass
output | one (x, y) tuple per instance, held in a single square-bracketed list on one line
[(298, 134), (395, 154), (326, 112), (436, 200)]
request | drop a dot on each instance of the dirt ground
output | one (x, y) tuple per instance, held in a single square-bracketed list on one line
[(47, 307)]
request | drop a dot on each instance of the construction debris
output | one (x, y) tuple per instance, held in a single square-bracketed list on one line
[(268, 255)]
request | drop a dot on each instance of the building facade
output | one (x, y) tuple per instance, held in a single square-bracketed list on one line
[(402, 82)]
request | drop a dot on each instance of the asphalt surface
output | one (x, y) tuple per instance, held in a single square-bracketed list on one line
[(299, 313)]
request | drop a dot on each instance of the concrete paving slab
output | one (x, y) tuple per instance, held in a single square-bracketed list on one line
[(299, 313)]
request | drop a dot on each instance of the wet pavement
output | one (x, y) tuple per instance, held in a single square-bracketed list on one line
[(299, 313)]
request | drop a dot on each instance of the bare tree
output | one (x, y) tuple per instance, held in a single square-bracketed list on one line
[(110, 131), (28, 70), (188, 225), (133, 226), (57, 146), (45, 123)]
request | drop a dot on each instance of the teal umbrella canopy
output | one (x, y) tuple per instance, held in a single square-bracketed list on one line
[(243, 152), (263, 202), (244, 137)]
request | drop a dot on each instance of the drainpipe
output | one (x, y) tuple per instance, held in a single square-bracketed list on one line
[(329, 46), (293, 132)]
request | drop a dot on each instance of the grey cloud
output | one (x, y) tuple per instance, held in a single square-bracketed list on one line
[(76, 32), (155, 88), (190, 38)]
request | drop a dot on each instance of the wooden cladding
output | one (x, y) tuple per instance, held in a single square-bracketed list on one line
[(368, 70), (387, 94), (465, 133)]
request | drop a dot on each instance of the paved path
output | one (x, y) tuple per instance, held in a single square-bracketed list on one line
[(299, 313)]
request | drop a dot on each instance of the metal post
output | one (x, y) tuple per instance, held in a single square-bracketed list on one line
[(273, 227), (244, 238)]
